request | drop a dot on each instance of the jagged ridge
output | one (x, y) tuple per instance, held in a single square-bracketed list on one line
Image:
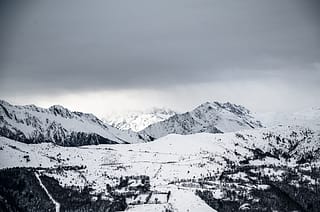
[(210, 117), (32, 124)]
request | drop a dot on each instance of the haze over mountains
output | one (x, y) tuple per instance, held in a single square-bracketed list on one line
[(308, 117)]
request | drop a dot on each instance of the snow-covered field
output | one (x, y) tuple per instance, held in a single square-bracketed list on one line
[(167, 161)]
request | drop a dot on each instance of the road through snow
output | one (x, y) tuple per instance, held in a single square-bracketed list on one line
[(49, 195)]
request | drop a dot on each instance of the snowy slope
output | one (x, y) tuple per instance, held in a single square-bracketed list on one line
[(211, 117), (169, 160), (57, 124), (171, 157), (138, 120)]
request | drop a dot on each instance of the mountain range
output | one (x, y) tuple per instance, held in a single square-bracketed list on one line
[(32, 124), (216, 157)]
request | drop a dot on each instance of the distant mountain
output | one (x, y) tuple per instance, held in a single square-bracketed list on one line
[(138, 120), (32, 124), (210, 117)]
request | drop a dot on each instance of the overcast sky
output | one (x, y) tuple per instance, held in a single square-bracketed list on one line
[(112, 56)]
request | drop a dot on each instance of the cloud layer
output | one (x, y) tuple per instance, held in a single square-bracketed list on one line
[(57, 48)]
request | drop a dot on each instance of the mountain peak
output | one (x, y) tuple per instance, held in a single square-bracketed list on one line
[(2, 102), (60, 110), (233, 108), (138, 120), (211, 117), (57, 107)]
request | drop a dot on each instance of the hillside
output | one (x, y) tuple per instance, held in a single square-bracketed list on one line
[(32, 124), (204, 162)]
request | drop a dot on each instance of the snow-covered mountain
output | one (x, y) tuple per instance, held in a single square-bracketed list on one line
[(32, 124), (246, 166), (210, 117), (138, 120)]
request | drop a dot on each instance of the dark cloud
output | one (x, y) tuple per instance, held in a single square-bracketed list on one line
[(84, 45)]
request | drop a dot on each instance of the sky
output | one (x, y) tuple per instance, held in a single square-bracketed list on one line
[(112, 56)]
